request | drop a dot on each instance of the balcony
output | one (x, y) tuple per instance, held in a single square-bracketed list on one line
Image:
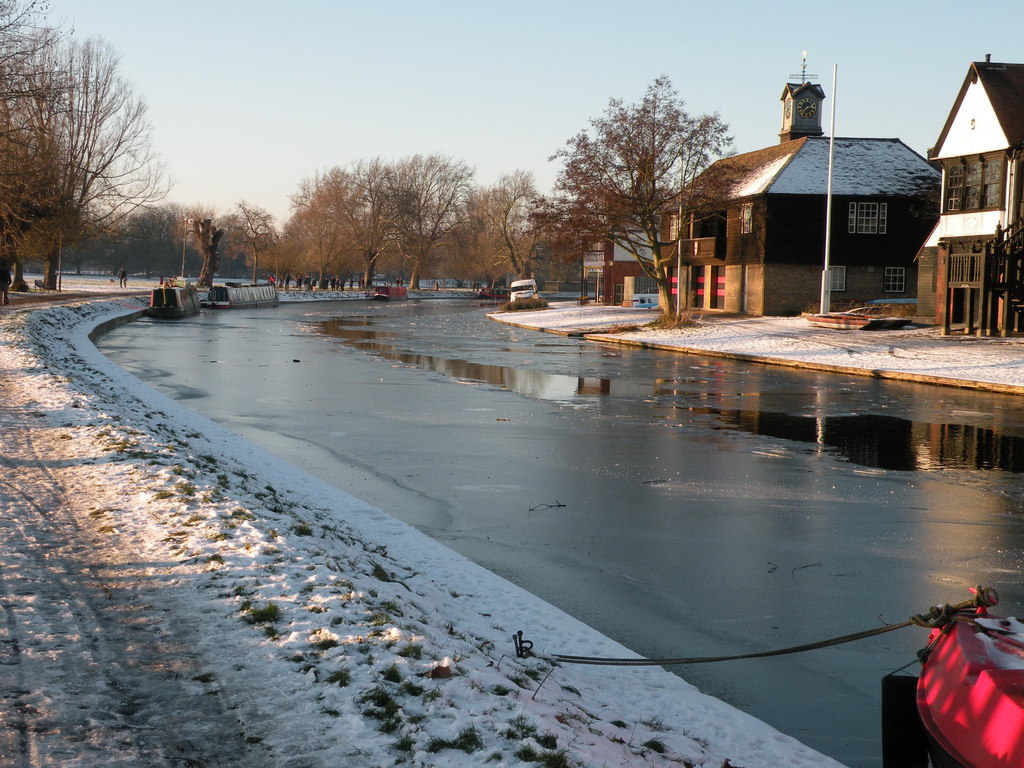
[(703, 248)]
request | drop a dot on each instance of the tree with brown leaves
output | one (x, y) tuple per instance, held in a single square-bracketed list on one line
[(638, 164)]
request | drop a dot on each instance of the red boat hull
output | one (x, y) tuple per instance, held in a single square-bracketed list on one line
[(389, 293), (971, 694)]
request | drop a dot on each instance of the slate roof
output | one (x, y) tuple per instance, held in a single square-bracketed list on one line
[(861, 167)]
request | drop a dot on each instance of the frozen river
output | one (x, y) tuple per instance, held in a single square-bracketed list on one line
[(684, 506)]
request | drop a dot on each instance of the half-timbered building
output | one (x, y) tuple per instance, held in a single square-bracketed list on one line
[(971, 270)]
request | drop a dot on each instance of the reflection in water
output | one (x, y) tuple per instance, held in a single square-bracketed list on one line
[(888, 442), (870, 440), (533, 384)]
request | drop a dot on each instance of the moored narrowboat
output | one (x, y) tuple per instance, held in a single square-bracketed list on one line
[(240, 296), (174, 300)]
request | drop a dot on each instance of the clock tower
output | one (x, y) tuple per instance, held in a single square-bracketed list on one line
[(801, 107)]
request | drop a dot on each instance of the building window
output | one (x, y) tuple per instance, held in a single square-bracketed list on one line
[(673, 227), (993, 176), (837, 278), (895, 280), (954, 187), (747, 218), (972, 185), (868, 218)]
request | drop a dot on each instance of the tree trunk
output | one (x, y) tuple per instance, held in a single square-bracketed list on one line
[(370, 260), (661, 276), (50, 267), (18, 284), (208, 238)]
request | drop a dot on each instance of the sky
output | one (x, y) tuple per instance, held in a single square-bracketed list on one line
[(249, 97)]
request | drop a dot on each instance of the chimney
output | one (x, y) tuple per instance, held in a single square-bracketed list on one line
[(988, 58)]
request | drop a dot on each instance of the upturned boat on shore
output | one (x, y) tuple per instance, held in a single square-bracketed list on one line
[(969, 699), (860, 319), (174, 300)]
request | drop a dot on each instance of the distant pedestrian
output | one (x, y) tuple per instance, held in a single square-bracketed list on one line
[(5, 282), (122, 276)]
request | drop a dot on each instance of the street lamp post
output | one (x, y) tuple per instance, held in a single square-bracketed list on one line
[(184, 238)]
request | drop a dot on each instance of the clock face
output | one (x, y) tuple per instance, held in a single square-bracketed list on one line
[(806, 107)]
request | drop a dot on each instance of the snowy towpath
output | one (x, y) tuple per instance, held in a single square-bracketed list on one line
[(172, 595), (90, 616)]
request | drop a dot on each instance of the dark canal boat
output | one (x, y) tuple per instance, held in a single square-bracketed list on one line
[(173, 300)]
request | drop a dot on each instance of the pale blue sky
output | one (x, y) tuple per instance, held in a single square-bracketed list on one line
[(248, 97)]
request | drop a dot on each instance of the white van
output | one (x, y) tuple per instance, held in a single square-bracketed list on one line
[(523, 289)]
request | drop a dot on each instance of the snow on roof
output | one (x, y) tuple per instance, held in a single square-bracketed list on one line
[(860, 167), (761, 177)]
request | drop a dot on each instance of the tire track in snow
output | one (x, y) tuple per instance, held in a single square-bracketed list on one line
[(94, 671)]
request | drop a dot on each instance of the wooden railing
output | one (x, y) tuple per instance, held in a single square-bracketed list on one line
[(966, 269)]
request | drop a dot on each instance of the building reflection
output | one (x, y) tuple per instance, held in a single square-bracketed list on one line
[(869, 440), (888, 442)]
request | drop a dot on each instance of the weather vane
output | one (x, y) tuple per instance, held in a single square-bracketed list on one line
[(804, 77)]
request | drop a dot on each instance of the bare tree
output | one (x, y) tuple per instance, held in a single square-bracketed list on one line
[(640, 163), (475, 246), (24, 183), (315, 224), (257, 229), (365, 216), (426, 199), (90, 137), (509, 208)]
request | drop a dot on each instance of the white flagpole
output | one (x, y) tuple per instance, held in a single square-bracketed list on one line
[(825, 281)]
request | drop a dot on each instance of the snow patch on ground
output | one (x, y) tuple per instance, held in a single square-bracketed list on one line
[(170, 592)]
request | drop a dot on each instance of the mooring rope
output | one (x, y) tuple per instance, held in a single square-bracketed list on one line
[(938, 616)]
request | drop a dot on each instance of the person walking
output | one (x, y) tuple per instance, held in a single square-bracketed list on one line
[(123, 278), (5, 282)]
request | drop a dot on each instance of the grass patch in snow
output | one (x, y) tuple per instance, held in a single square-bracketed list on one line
[(267, 614), (468, 741)]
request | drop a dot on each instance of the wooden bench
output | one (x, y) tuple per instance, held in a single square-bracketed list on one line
[(40, 284)]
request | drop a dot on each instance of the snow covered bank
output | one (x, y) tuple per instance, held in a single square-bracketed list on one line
[(910, 354), (144, 544)]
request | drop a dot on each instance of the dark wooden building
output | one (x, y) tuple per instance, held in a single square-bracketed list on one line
[(763, 253)]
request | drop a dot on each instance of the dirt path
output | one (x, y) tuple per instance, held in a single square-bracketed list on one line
[(95, 670)]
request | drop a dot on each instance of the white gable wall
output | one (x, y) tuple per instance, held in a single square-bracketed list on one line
[(975, 128)]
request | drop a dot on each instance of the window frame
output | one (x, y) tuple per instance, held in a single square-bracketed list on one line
[(973, 183), (746, 218), (893, 276), (837, 279), (868, 217)]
